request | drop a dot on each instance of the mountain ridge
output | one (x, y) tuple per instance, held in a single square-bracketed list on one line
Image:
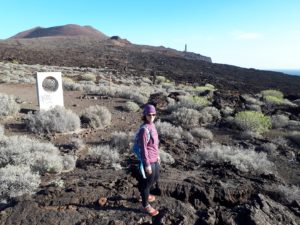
[(65, 30), (124, 57)]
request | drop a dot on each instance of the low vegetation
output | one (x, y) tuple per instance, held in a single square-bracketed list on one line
[(186, 117), (57, 119), (105, 155), (245, 160), (8, 105), (253, 121), (275, 97), (16, 180), (24, 160), (96, 116)]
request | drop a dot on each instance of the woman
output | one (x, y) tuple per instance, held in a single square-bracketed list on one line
[(150, 158)]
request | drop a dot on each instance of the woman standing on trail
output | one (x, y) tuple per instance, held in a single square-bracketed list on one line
[(148, 141)]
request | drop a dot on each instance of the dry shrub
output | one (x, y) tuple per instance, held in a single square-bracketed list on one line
[(245, 160), (96, 116), (186, 117), (8, 105), (57, 119)]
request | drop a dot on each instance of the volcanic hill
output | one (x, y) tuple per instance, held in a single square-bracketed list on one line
[(84, 46), (62, 31)]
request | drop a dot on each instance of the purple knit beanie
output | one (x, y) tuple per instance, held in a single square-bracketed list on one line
[(149, 109)]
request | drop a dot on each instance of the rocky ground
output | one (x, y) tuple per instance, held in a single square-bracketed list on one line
[(204, 184)]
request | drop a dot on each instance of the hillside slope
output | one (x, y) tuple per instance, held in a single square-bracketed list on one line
[(141, 60), (66, 30)]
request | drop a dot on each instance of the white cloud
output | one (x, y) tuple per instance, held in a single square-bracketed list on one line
[(246, 35)]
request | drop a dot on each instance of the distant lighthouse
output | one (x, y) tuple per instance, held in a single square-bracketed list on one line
[(185, 47)]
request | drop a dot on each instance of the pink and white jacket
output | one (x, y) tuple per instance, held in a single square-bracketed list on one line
[(149, 151)]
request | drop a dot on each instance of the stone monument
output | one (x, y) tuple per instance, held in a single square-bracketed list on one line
[(49, 90)]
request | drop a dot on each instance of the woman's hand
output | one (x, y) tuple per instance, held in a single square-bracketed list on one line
[(148, 170)]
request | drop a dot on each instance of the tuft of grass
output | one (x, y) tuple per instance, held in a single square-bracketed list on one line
[(209, 115), (131, 106), (294, 136), (1, 131), (166, 157), (57, 119), (161, 79), (194, 100), (245, 160), (186, 117), (21, 165), (202, 133), (105, 155), (271, 92), (89, 77), (253, 121), (96, 116), (8, 105), (206, 87), (274, 97), (273, 100), (291, 193), (280, 121), (122, 141), (167, 130), (41, 157), (16, 180)]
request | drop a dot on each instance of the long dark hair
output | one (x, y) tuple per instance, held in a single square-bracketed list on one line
[(144, 119)]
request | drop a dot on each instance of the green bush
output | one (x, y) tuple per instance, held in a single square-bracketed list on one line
[(161, 79), (131, 106), (194, 101), (273, 97), (207, 87), (274, 100), (253, 121), (274, 93)]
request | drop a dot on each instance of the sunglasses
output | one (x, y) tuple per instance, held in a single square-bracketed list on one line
[(151, 114)]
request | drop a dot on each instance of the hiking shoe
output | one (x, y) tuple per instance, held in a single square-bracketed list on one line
[(150, 210), (151, 198)]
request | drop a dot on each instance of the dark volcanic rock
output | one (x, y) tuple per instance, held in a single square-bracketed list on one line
[(140, 60)]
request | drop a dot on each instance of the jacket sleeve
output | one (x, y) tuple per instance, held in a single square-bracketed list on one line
[(143, 145)]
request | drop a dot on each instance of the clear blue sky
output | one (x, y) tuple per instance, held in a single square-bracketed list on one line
[(263, 34)]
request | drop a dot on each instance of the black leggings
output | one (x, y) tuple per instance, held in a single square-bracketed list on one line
[(146, 184)]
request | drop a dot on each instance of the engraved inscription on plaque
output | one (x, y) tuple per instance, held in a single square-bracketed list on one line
[(49, 90)]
